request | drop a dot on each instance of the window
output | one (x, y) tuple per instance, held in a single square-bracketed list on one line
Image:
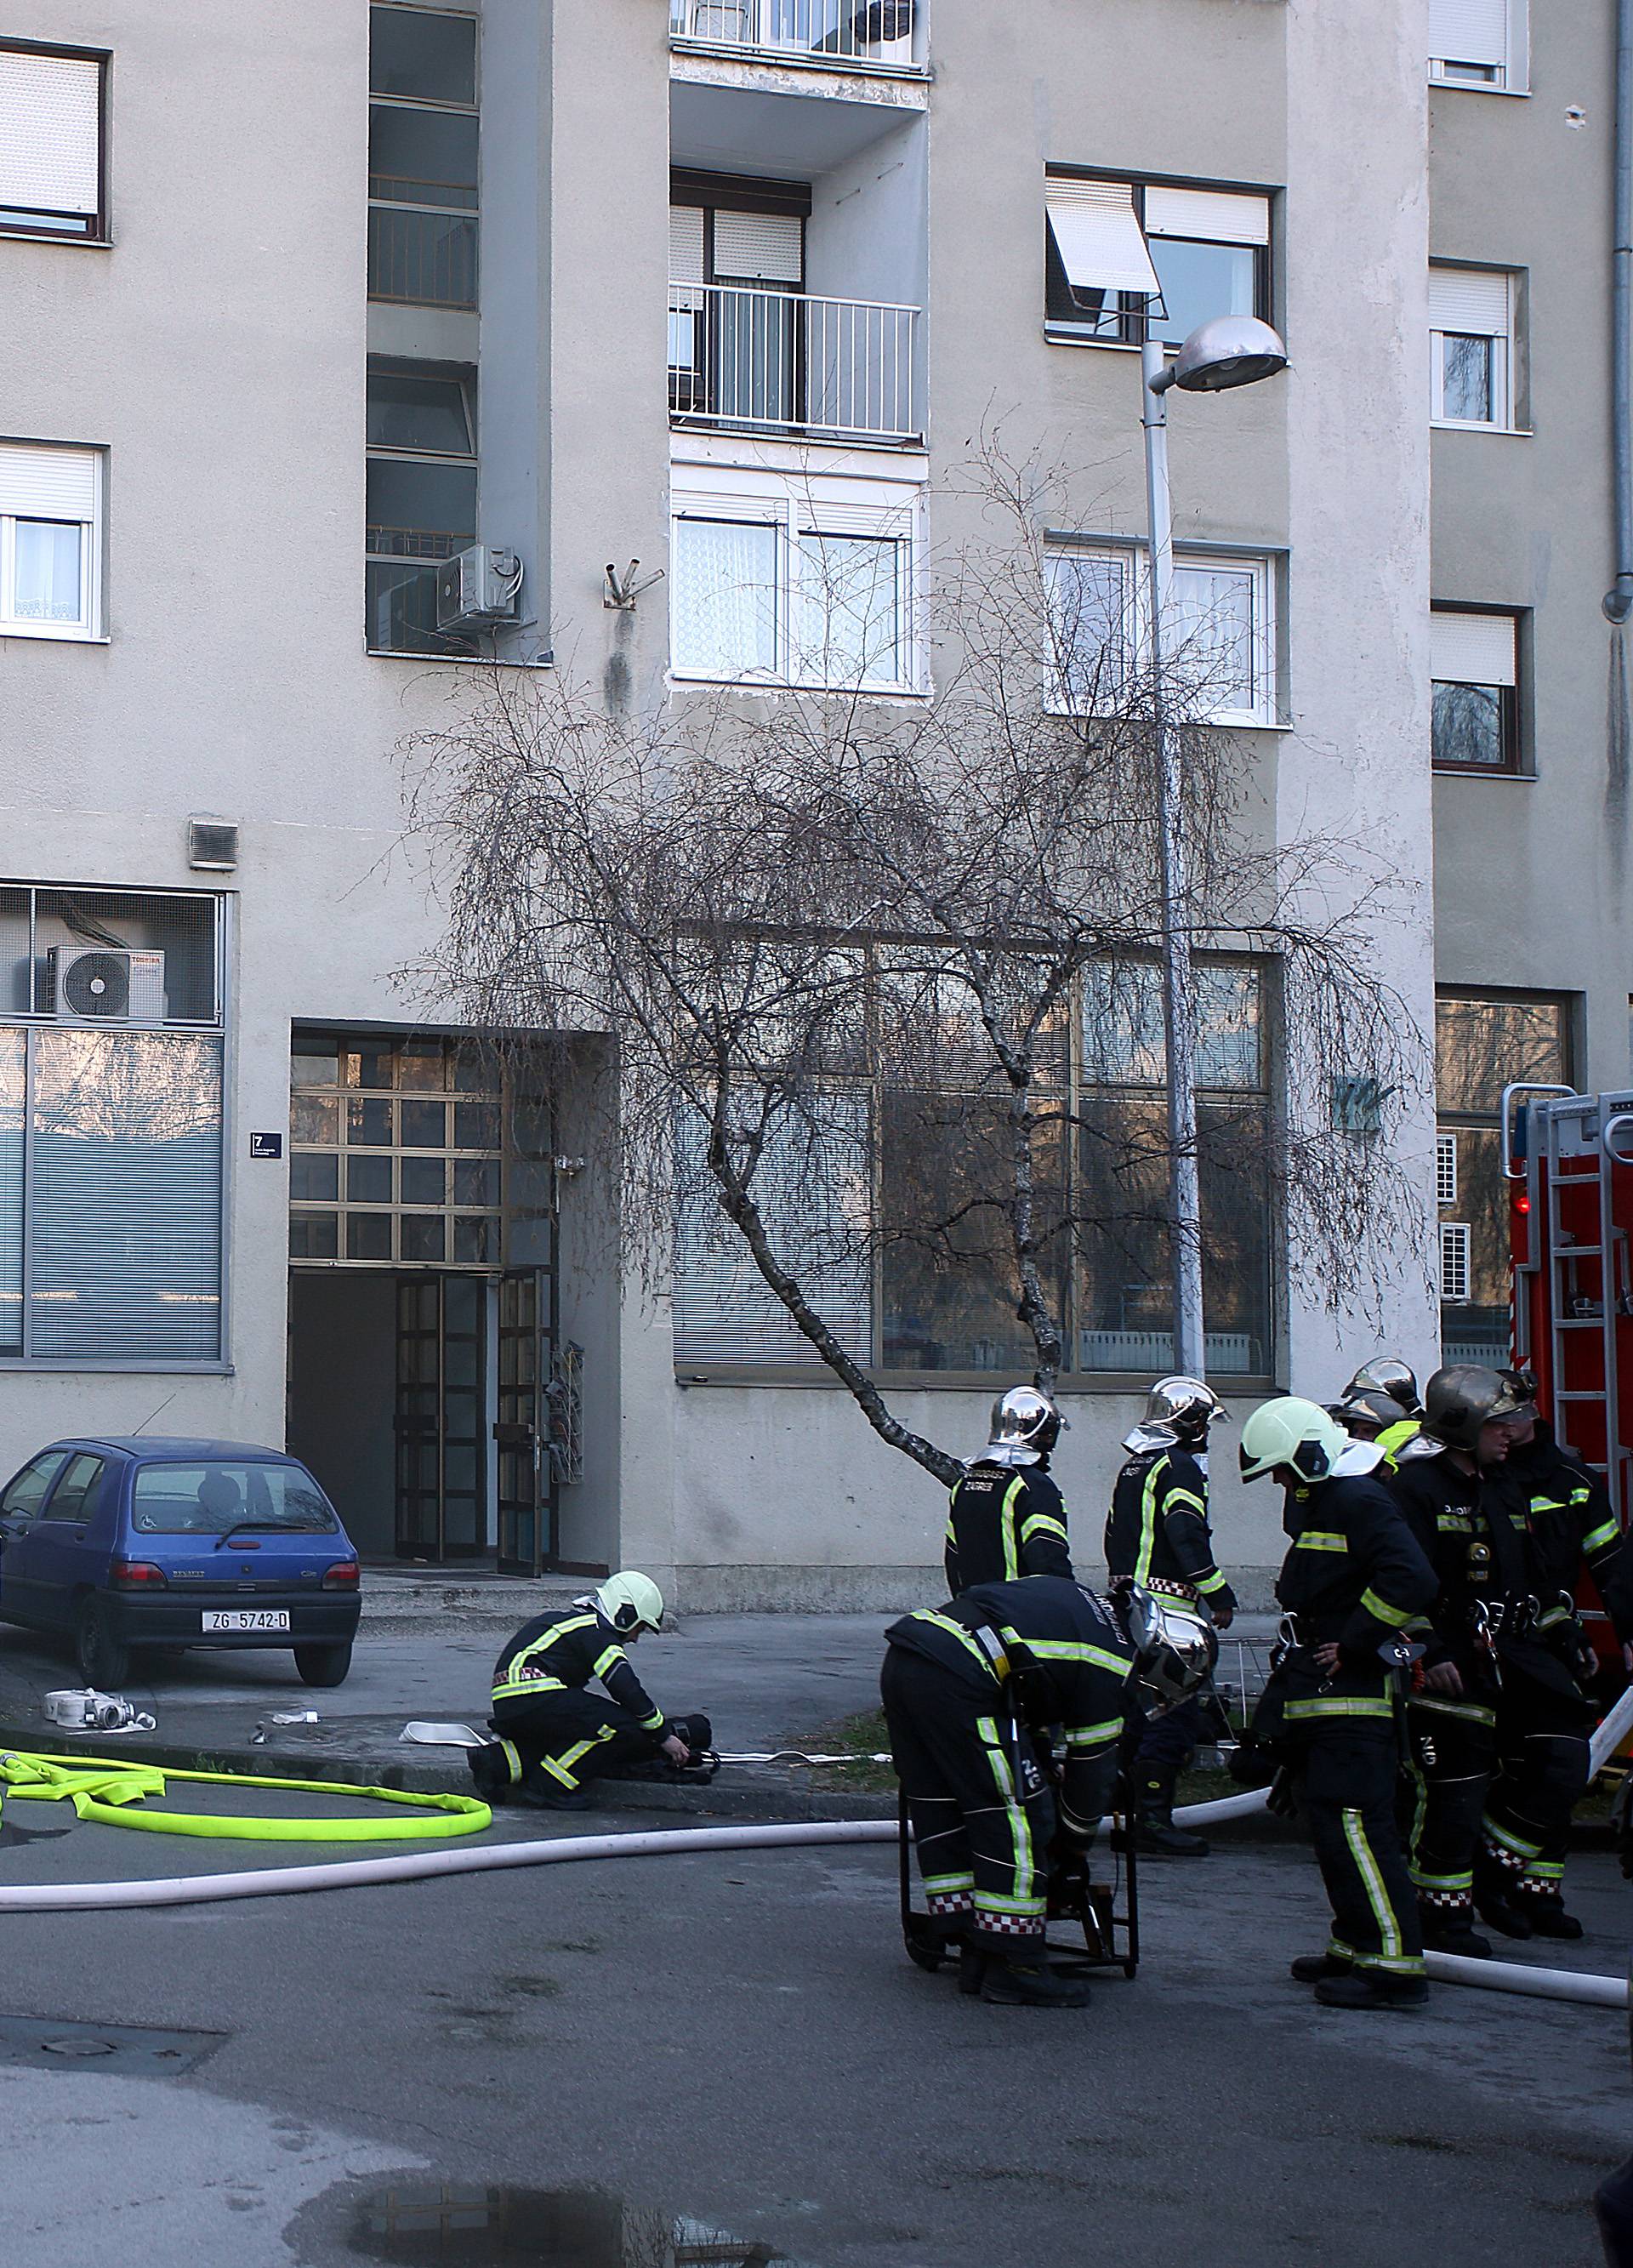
[(110, 1128), (1473, 661), (51, 142), (50, 518), (1471, 346), (396, 1151), (1220, 640), (901, 1167), (1475, 42), (422, 496), (1113, 246), (1482, 1044), (23, 1498), (423, 133), (804, 592)]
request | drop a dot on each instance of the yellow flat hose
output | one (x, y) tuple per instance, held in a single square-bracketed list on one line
[(115, 1792)]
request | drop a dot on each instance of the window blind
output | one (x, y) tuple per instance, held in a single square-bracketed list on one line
[(1099, 241), (760, 247), (1471, 649), (1471, 302), (686, 243), (50, 133), (1212, 216), (47, 483), (1468, 31)]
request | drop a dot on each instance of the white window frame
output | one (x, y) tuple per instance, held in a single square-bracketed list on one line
[(1266, 709), (1445, 1168), (798, 513), (1456, 1263), (87, 629), (1503, 357), (1509, 69)]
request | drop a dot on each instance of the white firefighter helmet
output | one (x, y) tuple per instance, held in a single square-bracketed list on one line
[(1025, 1427), (1296, 1435), (631, 1602)]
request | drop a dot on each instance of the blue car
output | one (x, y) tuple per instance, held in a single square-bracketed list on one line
[(140, 1542)]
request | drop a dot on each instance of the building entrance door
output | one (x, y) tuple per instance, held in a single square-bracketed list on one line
[(441, 1404), (522, 1430)]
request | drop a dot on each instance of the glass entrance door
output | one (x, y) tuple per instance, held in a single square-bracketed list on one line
[(440, 1408), (527, 1533)]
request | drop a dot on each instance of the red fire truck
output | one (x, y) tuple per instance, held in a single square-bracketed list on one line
[(1567, 1163)]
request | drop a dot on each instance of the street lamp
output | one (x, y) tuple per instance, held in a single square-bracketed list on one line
[(1229, 351)]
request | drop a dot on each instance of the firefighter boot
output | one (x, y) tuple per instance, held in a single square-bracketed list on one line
[(1547, 1917), (1495, 1897), (1318, 1968), (1019, 1976), (1159, 1835), (1367, 1989), (1450, 1928)]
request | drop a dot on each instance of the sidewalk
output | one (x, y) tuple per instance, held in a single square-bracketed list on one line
[(766, 1680)]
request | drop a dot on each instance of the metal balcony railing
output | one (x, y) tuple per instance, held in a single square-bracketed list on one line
[(785, 362), (839, 31)]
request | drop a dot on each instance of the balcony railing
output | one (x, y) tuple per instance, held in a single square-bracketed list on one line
[(783, 361), (884, 32)]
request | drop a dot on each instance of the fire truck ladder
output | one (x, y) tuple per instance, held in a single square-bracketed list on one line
[(1589, 1286)]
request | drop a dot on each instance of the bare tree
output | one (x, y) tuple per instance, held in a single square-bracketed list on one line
[(821, 926)]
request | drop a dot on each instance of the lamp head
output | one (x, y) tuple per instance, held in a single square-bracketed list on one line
[(1230, 350)]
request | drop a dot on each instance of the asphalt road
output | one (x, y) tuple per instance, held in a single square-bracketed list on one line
[(737, 2042)]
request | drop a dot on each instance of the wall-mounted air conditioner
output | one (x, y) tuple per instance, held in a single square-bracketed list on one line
[(477, 586), (93, 982)]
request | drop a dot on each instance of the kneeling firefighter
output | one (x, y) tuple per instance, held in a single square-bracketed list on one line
[(1329, 1715), (971, 1693), (549, 1734), (1157, 1535)]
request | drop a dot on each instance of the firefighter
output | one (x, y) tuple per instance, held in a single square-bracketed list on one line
[(1563, 1516), (1352, 1582), (1157, 1536), (1007, 1517), (1442, 1484), (1367, 1416), (550, 1733), (1387, 1374), (969, 1689)]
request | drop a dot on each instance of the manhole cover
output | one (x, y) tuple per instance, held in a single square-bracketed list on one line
[(47, 2042)]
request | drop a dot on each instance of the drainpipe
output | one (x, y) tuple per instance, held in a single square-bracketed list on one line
[(1618, 601)]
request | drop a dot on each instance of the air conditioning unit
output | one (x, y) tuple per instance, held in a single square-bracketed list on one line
[(91, 982), (476, 586)]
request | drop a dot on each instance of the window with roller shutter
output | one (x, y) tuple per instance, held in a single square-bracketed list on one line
[(1478, 43), (1123, 255), (1471, 346), (50, 540), (51, 142), (1473, 663)]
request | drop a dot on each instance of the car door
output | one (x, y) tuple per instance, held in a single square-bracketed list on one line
[(57, 1558), (20, 1507)]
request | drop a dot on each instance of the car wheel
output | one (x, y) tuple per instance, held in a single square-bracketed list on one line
[(323, 1665), (104, 1660)]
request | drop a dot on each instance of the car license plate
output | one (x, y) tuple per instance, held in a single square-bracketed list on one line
[(246, 1618)]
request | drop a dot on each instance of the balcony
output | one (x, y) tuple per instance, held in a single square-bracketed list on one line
[(787, 363), (884, 35)]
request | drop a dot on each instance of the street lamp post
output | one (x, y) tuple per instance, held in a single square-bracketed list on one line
[(1229, 351)]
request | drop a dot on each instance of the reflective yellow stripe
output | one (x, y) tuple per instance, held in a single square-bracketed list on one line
[(537, 1683), (1148, 1521), (1020, 1831), (1085, 1736), (614, 1654), (1337, 1706), (1600, 1536), (965, 1639), (1006, 1523), (1397, 1617), (1042, 1523), (1373, 1882), (1453, 1523), (1320, 1539), (1064, 1649), (1185, 1497), (1214, 1582)]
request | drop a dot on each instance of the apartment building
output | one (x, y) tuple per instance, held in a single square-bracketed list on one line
[(347, 343)]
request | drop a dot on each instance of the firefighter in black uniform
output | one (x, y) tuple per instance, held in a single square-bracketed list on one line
[(1157, 1536), (1007, 1518), (1396, 1381), (1352, 1583), (550, 1733), (969, 1690), (1442, 1483), (1564, 1515)]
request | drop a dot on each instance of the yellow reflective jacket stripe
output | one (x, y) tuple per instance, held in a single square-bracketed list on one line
[(1148, 1521), (1319, 1539), (1397, 1617)]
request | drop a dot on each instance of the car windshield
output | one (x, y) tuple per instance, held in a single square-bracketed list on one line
[(213, 1499)]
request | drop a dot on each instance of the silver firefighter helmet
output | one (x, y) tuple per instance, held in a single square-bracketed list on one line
[(1386, 1374), (1462, 1398), (1174, 1653), (1366, 1413), (1026, 1426), (1177, 1409)]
